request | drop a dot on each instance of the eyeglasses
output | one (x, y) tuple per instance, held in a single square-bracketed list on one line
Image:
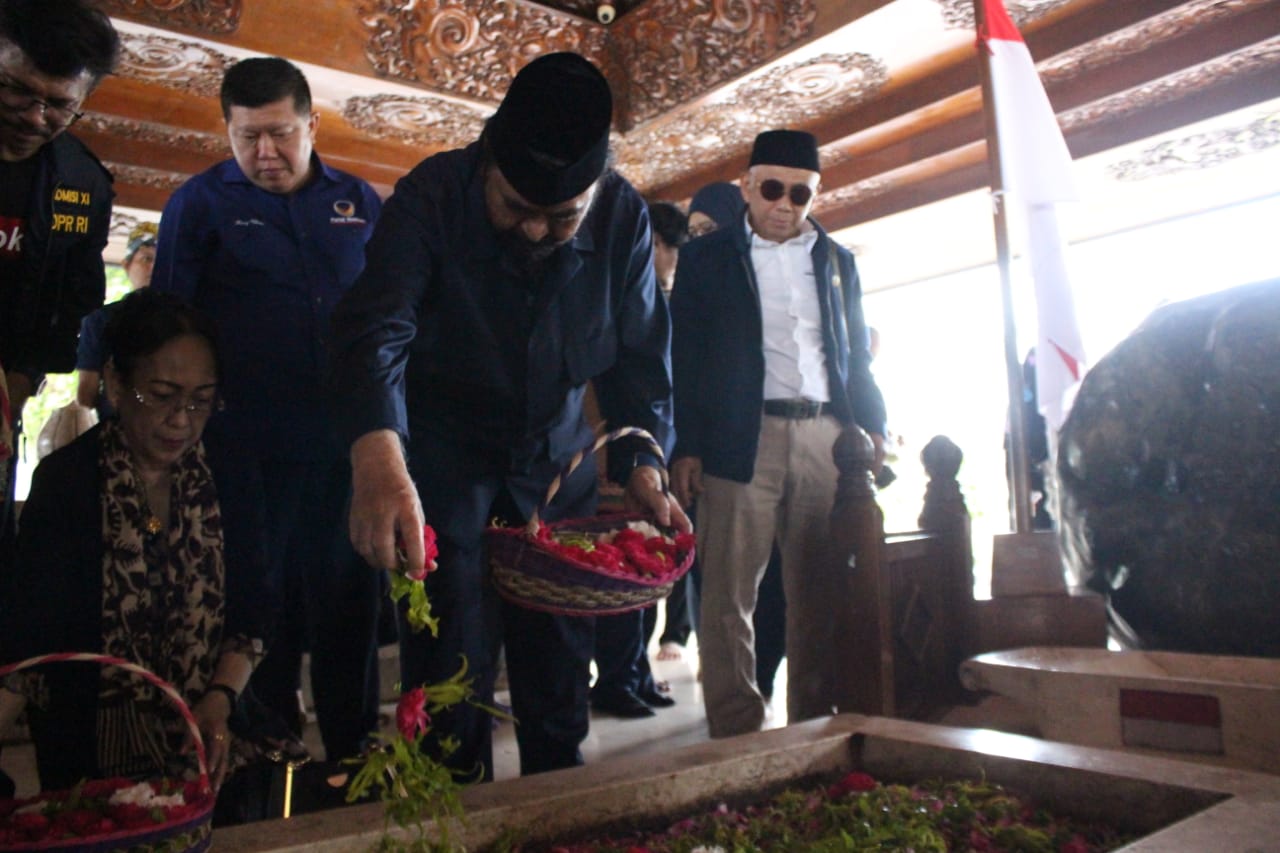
[(19, 98), (772, 190), (174, 403)]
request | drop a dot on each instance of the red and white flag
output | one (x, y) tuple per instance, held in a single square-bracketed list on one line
[(1035, 167)]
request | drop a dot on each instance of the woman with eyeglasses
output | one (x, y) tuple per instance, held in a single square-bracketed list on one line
[(120, 552)]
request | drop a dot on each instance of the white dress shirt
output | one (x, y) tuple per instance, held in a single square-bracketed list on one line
[(794, 360)]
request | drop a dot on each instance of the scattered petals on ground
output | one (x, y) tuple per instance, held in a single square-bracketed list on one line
[(856, 813)]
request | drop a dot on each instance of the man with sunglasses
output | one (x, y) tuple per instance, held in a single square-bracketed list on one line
[(770, 363), (55, 201)]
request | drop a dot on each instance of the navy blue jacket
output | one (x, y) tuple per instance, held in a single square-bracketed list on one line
[(718, 353), (483, 373), (63, 278), (268, 268)]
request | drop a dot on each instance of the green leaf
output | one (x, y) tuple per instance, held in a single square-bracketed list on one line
[(419, 614)]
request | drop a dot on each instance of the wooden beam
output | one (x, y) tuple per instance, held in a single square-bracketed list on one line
[(957, 120), (118, 148), (943, 77), (963, 170), (141, 197)]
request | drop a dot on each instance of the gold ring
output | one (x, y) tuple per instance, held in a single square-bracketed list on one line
[(219, 737)]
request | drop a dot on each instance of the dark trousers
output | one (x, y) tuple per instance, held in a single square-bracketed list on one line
[(770, 623), (288, 518), (622, 666), (682, 604), (548, 661), (548, 666)]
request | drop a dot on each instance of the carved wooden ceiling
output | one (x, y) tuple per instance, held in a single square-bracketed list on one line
[(889, 87)]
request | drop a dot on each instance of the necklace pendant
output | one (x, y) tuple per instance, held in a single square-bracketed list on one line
[(153, 525)]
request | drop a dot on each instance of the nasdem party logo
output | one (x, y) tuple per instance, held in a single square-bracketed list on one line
[(346, 211)]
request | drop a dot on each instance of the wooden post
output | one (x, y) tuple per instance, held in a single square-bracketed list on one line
[(857, 531), (945, 515)]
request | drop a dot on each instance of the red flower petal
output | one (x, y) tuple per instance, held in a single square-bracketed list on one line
[(411, 714)]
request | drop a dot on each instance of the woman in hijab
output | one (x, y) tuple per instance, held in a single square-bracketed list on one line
[(715, 206)]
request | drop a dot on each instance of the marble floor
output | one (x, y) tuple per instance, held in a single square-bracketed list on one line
[(669, 728)]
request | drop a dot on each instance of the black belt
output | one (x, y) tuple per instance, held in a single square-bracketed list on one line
[(797, 409)]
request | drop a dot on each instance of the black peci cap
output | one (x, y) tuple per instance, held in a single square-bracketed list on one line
[(550, 134), (793, 148)]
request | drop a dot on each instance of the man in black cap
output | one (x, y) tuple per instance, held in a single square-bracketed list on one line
[(499, 280), (770, 363)]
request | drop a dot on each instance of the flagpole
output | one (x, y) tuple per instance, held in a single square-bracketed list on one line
[(1016, 453)]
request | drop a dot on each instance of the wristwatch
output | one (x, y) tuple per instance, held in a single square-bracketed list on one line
[(233, 698)]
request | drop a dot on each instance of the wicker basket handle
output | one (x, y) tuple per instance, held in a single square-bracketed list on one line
[(532, 527), (170, 692)]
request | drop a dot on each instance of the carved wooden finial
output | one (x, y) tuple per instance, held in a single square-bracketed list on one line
[(941, 458), (854, 454), (944, 507)]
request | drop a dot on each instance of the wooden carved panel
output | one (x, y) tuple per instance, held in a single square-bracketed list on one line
[(1200, 150), (122, 224), (416, 120), (156, 179), (1147, 35), (796, 94), (663, 54), (792, 95), (1255, 60), (173, 63), (469, 47), (675, 50), (958, 14), (166, 135), (207, 16), (587, 8), (851, 194)]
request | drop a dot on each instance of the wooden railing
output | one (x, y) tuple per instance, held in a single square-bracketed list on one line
[(911, 594)]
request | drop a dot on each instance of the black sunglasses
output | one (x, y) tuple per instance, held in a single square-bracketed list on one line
[(772, 190)]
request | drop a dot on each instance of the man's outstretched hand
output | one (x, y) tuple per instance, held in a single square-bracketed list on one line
[(384, 502), (644, 494)]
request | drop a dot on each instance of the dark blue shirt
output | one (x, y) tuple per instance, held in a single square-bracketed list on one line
[(91, 351), (268, 268), (492, 365)]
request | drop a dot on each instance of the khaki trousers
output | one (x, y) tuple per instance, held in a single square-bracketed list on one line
[(790, 499)]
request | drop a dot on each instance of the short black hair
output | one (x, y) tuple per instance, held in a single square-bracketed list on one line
[(264, 80), (669, 222), (61, 38), (147, 319)]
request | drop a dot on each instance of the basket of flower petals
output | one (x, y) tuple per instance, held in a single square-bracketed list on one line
[(588, 567), (115, 815)]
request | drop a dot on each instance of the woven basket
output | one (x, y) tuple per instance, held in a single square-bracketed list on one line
[(531, 575), (190, 834)]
